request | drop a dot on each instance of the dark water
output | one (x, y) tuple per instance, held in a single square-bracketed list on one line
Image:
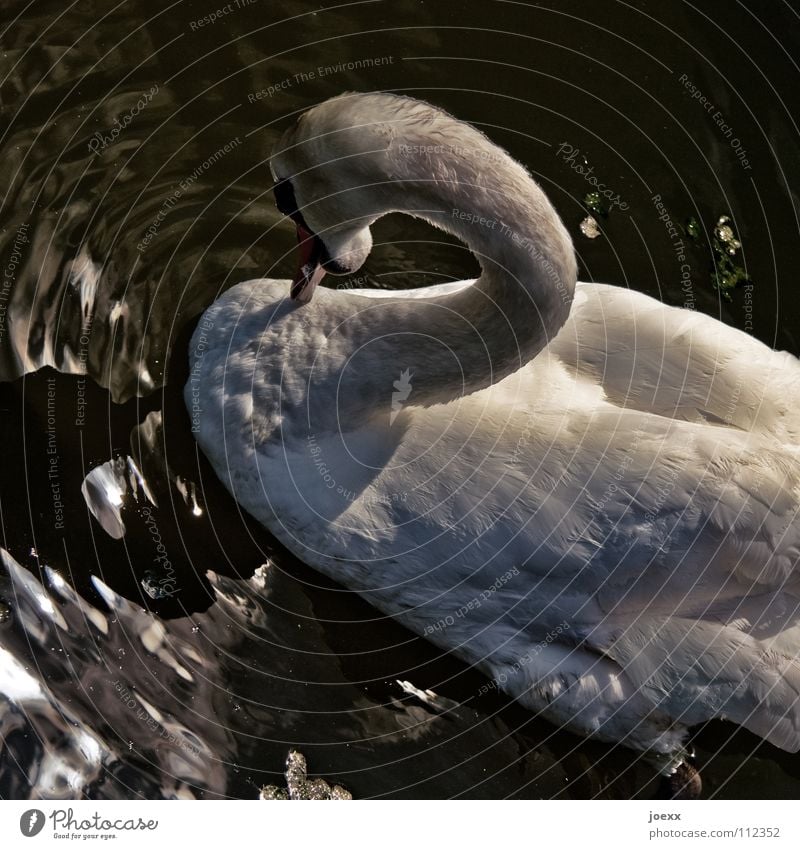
[(135, 188)]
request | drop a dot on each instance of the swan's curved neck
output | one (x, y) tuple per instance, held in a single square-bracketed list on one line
[(452, 345), (528, 271)]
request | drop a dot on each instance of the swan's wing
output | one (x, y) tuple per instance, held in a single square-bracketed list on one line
[(698, 547), (702, 607), (671, 547), (679, 363), (698, 669)]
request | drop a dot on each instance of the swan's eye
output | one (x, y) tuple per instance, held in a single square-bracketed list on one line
[(284, 197)]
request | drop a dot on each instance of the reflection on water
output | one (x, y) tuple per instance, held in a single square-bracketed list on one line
[(156, 655), (117, 702)]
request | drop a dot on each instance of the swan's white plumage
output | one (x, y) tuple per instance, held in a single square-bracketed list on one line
[(422, 292), (554, 472), (611, 531)]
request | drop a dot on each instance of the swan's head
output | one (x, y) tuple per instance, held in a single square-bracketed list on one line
[(331, 172), (322, 249)]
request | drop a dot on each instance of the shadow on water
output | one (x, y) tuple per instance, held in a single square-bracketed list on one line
[(136, 189)]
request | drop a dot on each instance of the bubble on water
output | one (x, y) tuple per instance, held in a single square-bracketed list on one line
[(589, 227)]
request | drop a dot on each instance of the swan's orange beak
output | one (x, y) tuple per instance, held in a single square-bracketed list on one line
[(310, 270)]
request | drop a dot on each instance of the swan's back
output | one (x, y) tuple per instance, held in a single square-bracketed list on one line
[(680, 364)]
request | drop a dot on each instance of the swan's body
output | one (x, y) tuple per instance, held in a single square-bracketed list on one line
[(595, 506)]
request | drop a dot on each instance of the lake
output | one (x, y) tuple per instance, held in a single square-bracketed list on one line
[(156, 640)]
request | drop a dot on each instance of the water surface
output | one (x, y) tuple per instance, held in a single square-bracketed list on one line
[(174, 649)]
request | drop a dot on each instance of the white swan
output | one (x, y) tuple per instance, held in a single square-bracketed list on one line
[(590, 496)]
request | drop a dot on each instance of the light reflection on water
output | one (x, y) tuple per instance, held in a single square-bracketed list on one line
[(111, 704), (136, 188)]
